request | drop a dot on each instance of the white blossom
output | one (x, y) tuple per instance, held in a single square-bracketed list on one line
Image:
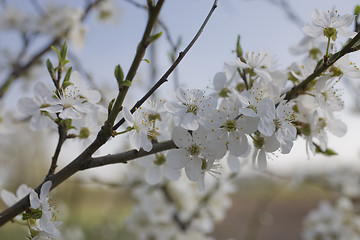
[(191, 107)]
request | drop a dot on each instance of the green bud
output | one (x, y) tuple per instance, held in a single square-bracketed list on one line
[(84, 133), (119, 74), (154, 37), (357, 10), (330, 33), (160, 159)]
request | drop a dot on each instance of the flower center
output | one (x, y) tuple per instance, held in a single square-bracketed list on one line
[(192, 109), (230, 125), (194, 150)]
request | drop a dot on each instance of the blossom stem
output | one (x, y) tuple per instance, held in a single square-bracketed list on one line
[(327, 48)]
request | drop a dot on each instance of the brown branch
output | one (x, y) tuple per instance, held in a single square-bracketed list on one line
[(61, 140), (163, 79), (124, 157), (349, 47)]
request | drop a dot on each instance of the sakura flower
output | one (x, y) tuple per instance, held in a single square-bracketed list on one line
[(158, 167), (75, 99), (329, 24), (191, 152), (344, 66), (228, 128), (327, 96), (42, 202), (258, 63), (39, 107), (191, 107), (140, 126)]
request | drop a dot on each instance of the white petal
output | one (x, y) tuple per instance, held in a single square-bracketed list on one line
[(27, 106), (8, 197), (219, 81), (193, 168), (22, 191), (34, 200), (70, 113), (263, 74), (177, 158), (146, 143), (45, 189), (262, 164), (153, 174), (189, 121), (234, 163), (181, 137), (171, 174), (38, 122)]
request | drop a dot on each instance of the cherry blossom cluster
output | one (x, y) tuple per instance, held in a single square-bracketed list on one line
[(41, 216), (176, 209), (75, 101), (245, 110)]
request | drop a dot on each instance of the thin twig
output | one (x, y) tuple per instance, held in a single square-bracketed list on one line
[(164, 78), (62, 138)]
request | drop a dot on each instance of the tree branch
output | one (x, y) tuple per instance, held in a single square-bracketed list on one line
[(124, 157), (164, 78)]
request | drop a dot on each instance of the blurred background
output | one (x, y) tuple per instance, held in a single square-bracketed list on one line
[(95, 204)]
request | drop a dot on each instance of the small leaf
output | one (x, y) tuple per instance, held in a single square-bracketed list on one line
[(36, 214), (49, 66), (57, 52), (154, 37), (328, 152), (126, 83), (63, 52), (146, 60), (110, 106), (318, 65), (67, 77), (239, 51)]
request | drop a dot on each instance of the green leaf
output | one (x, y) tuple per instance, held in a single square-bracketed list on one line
[(146, 60), (57, 52), (328, 152), (126, 83), (66, 81), (119, 74), (154, 37), (357, 10), (318, 65), (63, 52), (239, 51), (49, 66)]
